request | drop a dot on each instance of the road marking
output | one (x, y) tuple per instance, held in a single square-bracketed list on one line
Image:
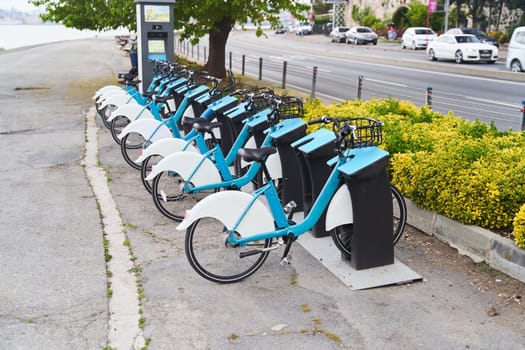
[(387, 82), (123, 325), (477, 99)]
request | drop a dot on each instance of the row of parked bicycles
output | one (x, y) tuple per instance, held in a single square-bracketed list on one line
[(234, 166)]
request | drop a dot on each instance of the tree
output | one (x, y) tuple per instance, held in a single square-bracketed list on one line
[(365, 17), (197, 18)]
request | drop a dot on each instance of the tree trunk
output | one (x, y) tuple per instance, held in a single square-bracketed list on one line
[(218, 36)]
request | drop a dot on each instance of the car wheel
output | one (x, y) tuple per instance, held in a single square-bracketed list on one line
[(356, 42), (491, 62), (414, 47), (403, 45), (432, 55), (458, 56), (374, 42), (515, 66)]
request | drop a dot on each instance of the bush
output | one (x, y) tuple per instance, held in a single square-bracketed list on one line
[(467, 171), (519, 228)]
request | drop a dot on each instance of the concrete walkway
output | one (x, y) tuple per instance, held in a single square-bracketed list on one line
[(54, 291)]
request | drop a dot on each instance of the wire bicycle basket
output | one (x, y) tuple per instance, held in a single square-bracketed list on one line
[(366, 132), (289, 107)]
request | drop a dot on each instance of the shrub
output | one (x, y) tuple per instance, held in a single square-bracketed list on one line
[(519, 228), (467, 171)]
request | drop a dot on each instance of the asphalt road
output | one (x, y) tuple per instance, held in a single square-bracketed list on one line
[(53, 288), (486, 92)]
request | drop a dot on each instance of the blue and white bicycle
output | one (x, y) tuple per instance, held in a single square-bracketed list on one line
[(229, 234)]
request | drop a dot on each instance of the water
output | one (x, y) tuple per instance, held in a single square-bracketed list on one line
[(19, 35)]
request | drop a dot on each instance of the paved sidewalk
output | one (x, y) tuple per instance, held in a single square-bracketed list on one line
[(54, 293)]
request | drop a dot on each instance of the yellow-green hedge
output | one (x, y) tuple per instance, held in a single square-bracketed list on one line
[(467, 171), (519, 227)]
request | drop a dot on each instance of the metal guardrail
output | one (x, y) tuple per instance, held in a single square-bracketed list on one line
[(505, 116)]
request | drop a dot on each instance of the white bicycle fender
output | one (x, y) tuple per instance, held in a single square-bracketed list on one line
[(132, 111), (340, 209), (146, 127), (165, 147), (273, 164), (228, 206), (184, 164), (118, 99), (106, 89)]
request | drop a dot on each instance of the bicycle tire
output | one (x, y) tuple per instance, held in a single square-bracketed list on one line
[(130, 147), (170, 199), (342, 235), (209, 256), (145, 169), (116, 125), (105, 113)]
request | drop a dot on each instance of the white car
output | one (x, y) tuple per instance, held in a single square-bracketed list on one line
[(417, 37), (361, 35), (339, 34), (461, 48), (304, 28), (516, 54)]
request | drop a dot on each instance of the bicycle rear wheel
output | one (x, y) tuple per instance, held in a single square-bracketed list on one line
[(342, 235), (170, 198), (131, 148), (212, 259)]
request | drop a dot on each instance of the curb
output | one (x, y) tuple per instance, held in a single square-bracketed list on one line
[(475, 242)]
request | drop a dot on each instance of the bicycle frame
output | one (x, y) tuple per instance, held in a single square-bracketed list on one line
[(198, 170), (332, 196)]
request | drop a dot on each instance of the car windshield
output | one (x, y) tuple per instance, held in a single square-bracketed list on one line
[(475, 32), (363, 30), (466, 39), (424, 32), (343, 29)]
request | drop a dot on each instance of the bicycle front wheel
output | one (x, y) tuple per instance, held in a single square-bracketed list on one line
[(131, 148), (169, 195), (212, 259), (117, 124), (342, 235), (145, 169)]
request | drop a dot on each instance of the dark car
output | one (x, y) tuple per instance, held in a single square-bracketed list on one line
[(478, 33)]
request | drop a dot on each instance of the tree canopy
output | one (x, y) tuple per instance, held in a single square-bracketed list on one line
[(196, 18)]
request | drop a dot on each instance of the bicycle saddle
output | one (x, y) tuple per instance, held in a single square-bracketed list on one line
[(205, 126), (256, 154), (189, 121)]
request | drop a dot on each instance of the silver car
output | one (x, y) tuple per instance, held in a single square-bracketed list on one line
[(361, 35)]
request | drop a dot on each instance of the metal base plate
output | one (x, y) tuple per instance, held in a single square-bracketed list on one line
[(324, 250)]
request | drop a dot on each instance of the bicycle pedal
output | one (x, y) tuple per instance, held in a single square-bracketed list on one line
[(286, 261)]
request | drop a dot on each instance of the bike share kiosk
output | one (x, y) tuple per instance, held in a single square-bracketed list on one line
[(154, 36)]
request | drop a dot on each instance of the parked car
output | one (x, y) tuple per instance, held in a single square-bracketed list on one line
[(280, 30), (339, 34), (461, 48), (417, 37), (304, 28), (478, 33), (361, 35), (516, 54)]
